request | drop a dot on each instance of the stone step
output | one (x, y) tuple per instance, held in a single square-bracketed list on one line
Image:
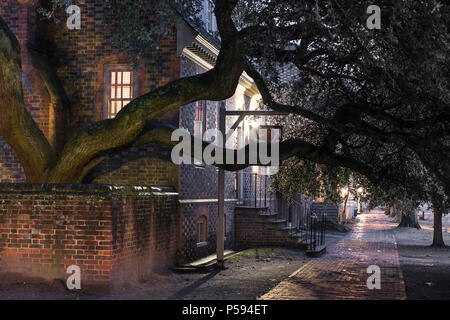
[(270, 214), (298, 235), (276, 221), (307, 241), (289, 228), (202, 265), (316, 251), (304, 243)]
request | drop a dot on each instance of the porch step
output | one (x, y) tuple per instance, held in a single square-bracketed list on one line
[(306, 241), (316, 251), (205, 264), (276, 221), (287, 228), (270, 214), (298, 235)]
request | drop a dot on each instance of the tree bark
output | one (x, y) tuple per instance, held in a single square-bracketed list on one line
[(438, 239), (17, 127), (344, 209), (391, 212), (409, 219)]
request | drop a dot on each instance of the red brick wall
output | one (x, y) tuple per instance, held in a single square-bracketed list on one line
[(79, 57), (115, 238), (144, 237), (82, 55)]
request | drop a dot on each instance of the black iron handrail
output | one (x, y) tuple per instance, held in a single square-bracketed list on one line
[(298, 216)]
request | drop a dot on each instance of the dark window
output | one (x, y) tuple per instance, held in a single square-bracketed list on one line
[(202, 224)]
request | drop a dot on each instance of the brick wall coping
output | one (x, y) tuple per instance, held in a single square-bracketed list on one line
[(90, 189)]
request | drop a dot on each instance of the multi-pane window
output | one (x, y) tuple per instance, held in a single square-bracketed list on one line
[(202, 224), (121, 91), (120, 88)]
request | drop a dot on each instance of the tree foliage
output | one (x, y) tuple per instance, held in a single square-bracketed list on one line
[(378, 97)]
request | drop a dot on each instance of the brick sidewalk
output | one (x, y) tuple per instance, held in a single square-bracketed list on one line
[(342, 272)]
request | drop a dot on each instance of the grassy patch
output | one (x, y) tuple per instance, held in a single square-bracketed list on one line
[(257, 253)]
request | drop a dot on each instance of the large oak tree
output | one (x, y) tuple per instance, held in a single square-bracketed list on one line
[(373, 101)]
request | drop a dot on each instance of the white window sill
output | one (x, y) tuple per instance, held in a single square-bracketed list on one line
[(201, 244)]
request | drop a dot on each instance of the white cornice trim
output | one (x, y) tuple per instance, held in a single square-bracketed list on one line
[(207, 45), (245, 80), (196, 59)]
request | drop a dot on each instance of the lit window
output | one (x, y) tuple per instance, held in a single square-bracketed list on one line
[(202, 224), (120, 85), (121, 91)]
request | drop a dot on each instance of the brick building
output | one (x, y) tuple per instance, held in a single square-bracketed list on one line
[(99, 80)]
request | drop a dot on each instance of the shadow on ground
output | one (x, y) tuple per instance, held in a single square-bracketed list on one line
[(249, 274), (426, 270)]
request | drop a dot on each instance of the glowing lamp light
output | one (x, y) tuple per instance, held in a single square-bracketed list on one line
[(344, 192), (254, 124)]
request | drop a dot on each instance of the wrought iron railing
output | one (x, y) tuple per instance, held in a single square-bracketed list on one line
[(258, 192), (316, 231)]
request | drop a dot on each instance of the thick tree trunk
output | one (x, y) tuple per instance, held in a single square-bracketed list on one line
[(396, 212), (392, 212), (343, 217), (409, 219), (438, 239)]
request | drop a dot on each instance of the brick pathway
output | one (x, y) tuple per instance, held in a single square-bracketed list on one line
[(342, 272)]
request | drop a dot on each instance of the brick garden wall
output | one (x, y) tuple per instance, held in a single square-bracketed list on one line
[(115, 236)]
